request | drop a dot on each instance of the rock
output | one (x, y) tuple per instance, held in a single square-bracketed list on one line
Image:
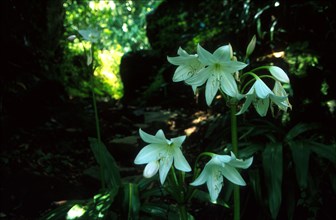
[(124, 149), (137, 71)]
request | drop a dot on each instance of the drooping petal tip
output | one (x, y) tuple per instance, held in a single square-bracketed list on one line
[(279, 74), (151, 169)]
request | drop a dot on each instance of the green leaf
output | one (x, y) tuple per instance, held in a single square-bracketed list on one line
[(323, 150), (131, 202), (158, 191), (160, 210), (272, 164), (333, 181), (289, 194), (300, 153), (299, 129), (109, 170), (250, 150), (254, 176), (144, 183)]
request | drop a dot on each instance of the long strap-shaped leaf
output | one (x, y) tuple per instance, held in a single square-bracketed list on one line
[(300, 153), (110, 172), (272, 163), (131, 202)]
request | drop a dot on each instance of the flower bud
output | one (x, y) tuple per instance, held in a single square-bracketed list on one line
[(279, 74), (151, 169), (71, 37), (251, 46)]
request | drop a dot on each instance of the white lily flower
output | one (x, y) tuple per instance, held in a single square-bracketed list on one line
[(218, 72), (188, 65), (260, 95), (160, 154), (218, 167)]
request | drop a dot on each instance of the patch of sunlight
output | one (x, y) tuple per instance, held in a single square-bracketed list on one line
[(75, 212), (108, 70), (332, 105), (102, 5), (78, 46), (124, 27), (300, 57), (200, 117), (129, 5), (190, 130), (279, 54)]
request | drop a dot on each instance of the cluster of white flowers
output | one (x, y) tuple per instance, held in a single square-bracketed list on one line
[(160, 154), (219, 72)]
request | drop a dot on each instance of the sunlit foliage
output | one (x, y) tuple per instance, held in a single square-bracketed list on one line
[(121, 28)]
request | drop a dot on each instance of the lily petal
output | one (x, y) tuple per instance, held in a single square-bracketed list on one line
[(201, 179), (238, 163), (165, 165), (205, 56), (178, 60), (149, 153), (223, 53), (229, 85), (279, 74), (181, 73), (149, 138), (182, 52), (247, 103), (178, 140), (232, 66), (232, 175), (194, 88), (180, 161), (261, 89), (199, 78), (261, 106), (280, 101), (221, 158), (215, 184), (160, 135), (211, 89)]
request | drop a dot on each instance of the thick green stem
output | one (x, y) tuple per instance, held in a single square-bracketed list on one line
[(94, 103), (183, 212), (234, 133), (234, 140), (178, 190)]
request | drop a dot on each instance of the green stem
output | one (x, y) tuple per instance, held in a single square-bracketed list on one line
[(94, 103), (196, 162), (176, 183), (234, 140), (96, 115), (179, 194), (183, 212)]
